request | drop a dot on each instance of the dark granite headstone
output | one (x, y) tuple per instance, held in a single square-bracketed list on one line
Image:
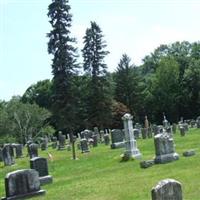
[(117, 139), (41, 166), (19, 150), (182, 130), (21, 184), (8, 155), (33, 150), (84, 146), (174, 128), (167, 189), (61, 140), (95, 140)]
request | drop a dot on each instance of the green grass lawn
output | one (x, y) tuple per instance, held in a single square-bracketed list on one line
[(100, 175)]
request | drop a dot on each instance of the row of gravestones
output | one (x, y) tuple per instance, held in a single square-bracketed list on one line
[(26, 183)]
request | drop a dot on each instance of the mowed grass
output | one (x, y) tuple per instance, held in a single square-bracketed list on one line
[(100, 175)]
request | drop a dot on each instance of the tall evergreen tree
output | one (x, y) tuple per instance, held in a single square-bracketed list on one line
[(99, 96), (64, 66), (127, 87)]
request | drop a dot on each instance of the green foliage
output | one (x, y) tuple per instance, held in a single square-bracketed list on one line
[(21, 121), (64, 65)]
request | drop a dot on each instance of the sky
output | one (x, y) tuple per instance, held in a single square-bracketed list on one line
[(134, 27)]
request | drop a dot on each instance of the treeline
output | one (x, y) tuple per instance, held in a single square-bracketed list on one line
[(167, 82)]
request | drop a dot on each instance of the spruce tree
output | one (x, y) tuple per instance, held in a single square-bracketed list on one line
[(64, 66), (99, 96)]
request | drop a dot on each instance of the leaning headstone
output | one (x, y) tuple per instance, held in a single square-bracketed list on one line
[(61, 140), (164, 148), (19, 150), (131, 145), (33, 150), (117, 139), (84, 146), (8, 155), (106, 139), (22, 184), (189, 153), (168, 189), (41, 166)]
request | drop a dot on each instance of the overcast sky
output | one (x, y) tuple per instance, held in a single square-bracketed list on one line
[(135, 27)]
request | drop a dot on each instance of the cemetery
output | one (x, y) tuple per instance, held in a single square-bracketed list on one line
[(98, 128), (163, 167)]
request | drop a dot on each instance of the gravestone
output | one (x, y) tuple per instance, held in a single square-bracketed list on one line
[(174, 128), (189, 153), (101, 133), (198, 122), (149, 132), (192, 123), (146, 163), (117, 139), (144, 133), (168, 189), (22, 184), (44, 144), (136, 133), (164, 148), (1, 155), (106, 139), (8, 155), (33, 150), (18, 150), (97, 133), (95, 140), (182, 130), (54, 142), (61, 141), (131, 145), (84, 146), (41, 166)]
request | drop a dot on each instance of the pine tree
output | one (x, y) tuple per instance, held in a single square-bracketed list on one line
[(126, 79), (99, 96), (64, 66)]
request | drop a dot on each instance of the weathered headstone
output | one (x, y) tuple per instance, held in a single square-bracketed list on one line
[(1, 155), (182, 130), (168, 189), (146, 163), (41, 166), (144, 133), (61, 140), (97, 133), (8, 155), (174, 128), (84, 146), (189, 153), (22, 184), (33, 150), (18, 150), (117, 139), (164, 148), (106, 139), (131, 145), (54, 142), (95, 140), (136, 133)]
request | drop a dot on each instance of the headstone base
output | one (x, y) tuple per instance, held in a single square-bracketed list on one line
[(117, 145), (166, 158), (45, 180), (23, 196)]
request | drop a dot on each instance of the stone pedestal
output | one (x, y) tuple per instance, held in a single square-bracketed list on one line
[(164, 148), (130, 143)]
